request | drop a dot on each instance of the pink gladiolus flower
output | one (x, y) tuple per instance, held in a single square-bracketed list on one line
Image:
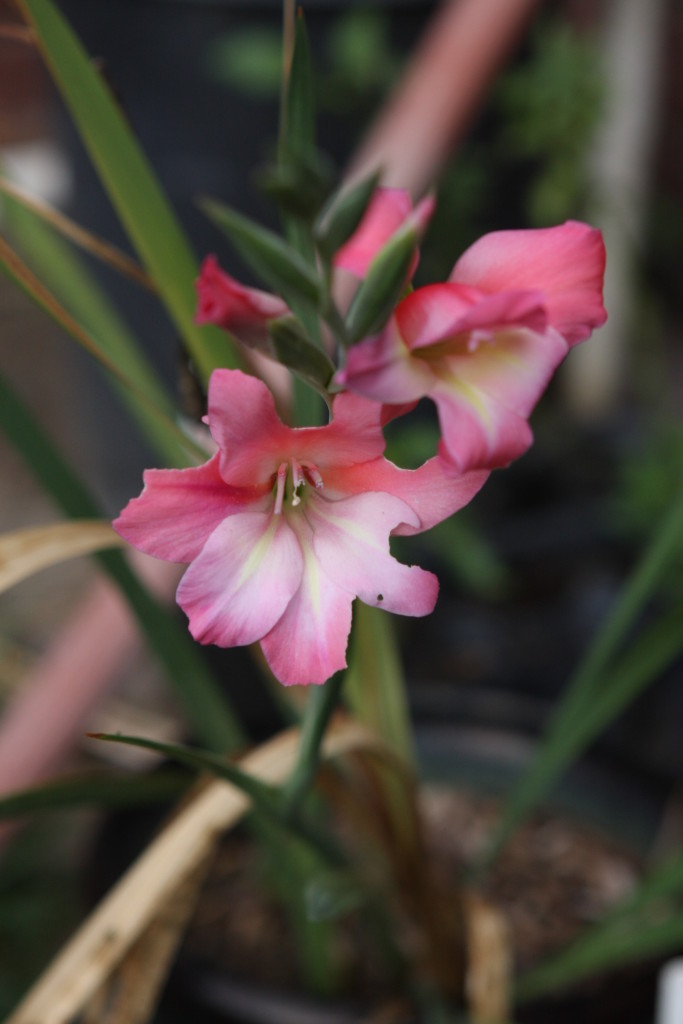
[(245, 312), (484, 345), (284, 527)]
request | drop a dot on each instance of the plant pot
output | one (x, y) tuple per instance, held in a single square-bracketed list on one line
[(481, 761)]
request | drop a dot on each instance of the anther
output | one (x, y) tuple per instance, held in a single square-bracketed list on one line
[(313, 475)]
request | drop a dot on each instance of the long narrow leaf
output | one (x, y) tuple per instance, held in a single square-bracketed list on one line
[(75, 288), (297, 130), (268, 255), (572, 728), (634, 916), (265, 798), (205, 706), (98, 247), (644, 662), (101, 789), (15, 267), (130, 182), (615, 949)]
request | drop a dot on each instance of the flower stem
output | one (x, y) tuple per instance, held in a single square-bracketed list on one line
[(319, 709)]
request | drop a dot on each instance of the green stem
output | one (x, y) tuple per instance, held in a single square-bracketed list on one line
[(319, 709)]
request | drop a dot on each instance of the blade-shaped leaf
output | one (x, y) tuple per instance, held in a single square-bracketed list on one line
[(615, 948), (342, 214), (268, 255), (265, 798), (75, 288), (103, 789), (597, 693), (25, 552), (98, 247), (292, 347), (205, 705), (151, 224), (643, 662), (297, 128), (28, 282)]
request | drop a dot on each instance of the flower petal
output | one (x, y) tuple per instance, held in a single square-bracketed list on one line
[(253, 441), (242, 581), (478, 432), (441, 311), (386, 211), (351, 542), (243, 311), (567, 263), (433, 492), (308, 644), (245, 426), (383, 368), (179, 509)]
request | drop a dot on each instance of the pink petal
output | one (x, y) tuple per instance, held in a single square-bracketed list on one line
[(384, 369), (308, 644), (478, 432), (513, 368), (441, 311), (433, 492), (178, 510), (386, 211), (242, 581), (254, 442), (243, 311), (351, 542), (245, 426), (567, 263)]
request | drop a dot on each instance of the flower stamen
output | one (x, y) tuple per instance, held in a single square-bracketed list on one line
[(313, 474), (280, 492)]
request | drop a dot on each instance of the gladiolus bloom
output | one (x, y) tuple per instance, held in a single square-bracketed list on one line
[(284, 527), (484, 345)]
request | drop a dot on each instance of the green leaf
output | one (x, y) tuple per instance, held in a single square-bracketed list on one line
[(342, 214), (293, 348), (268, 255), (383, 286), (265, 798), (129, 181), (102, 789), (331, 895), (59, 267), (642, 663), (207, 709), (297, 128), (614, 949), (590, 702), (299, 184)]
